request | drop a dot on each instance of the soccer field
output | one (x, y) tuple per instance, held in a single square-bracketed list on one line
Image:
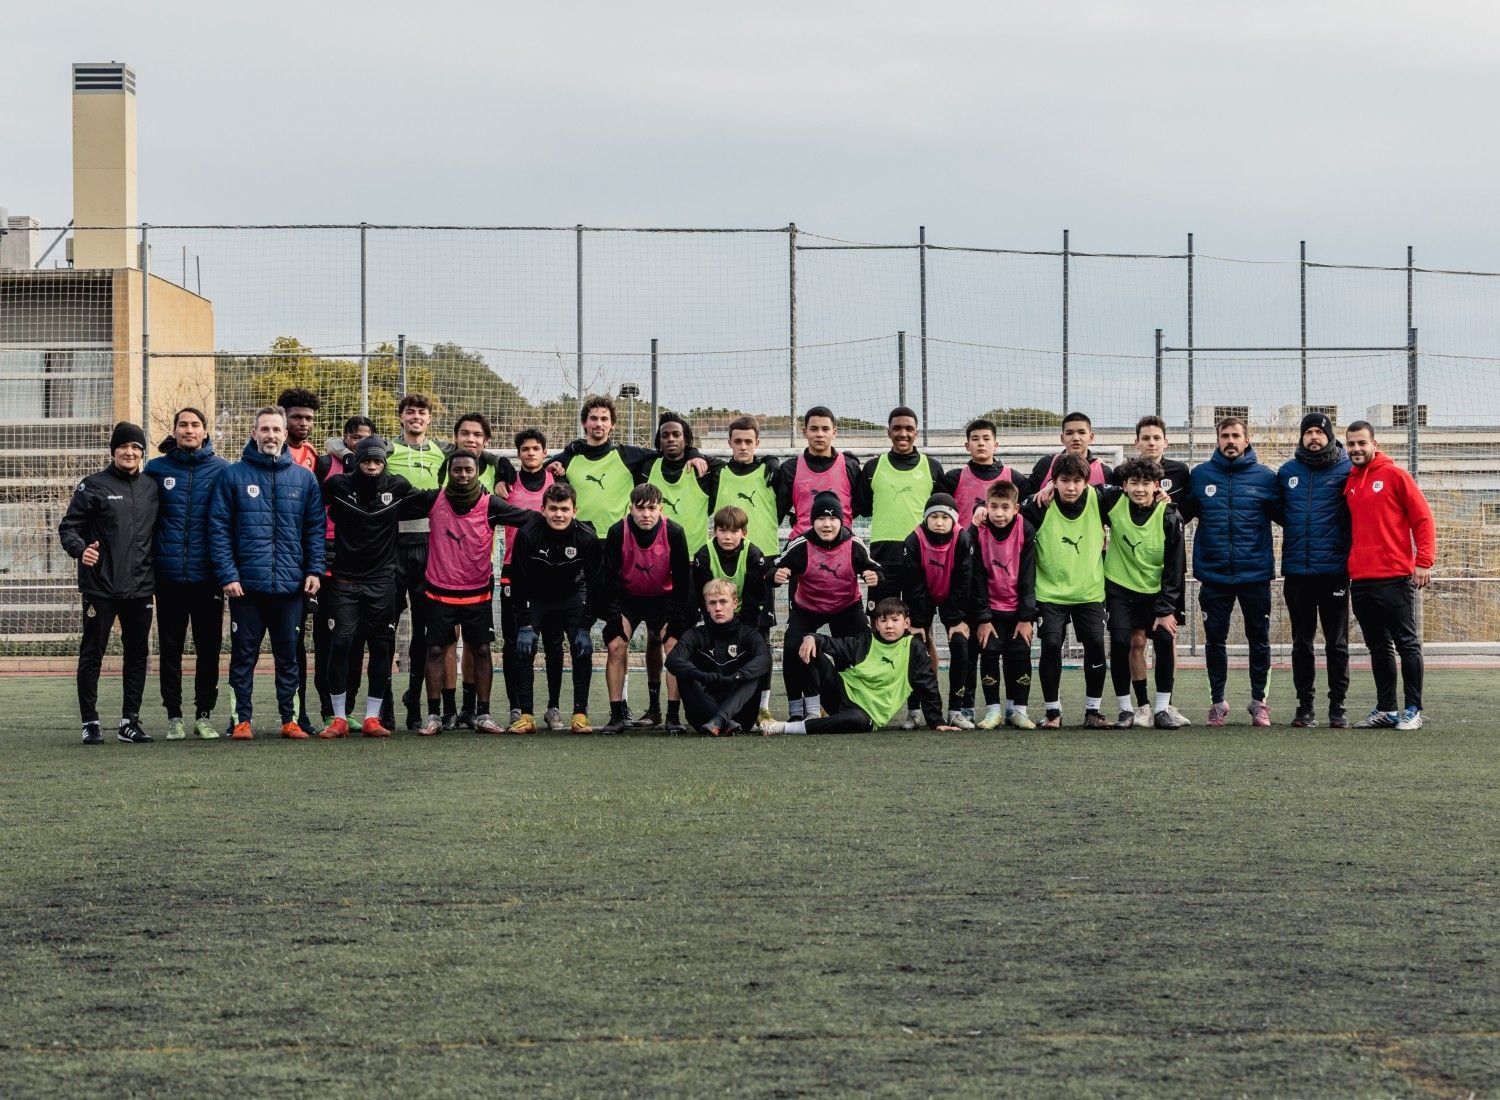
[(1236, 912)]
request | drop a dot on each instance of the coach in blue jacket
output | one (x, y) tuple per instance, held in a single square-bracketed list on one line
[(1235, 499), (1315, 565), (265, 536), (186, 590)]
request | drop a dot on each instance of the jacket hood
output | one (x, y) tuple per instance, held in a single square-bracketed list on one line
[(1379, 461), (252, 454)]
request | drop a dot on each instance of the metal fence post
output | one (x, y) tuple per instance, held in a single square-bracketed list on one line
[(578, 309), (1158, 372), (922, 281), (145, 331), (1410, 319), (901, 368), (1065, 291), (655, 393), (1190, 303), (364, 346), (401, 363), (1302, 289), (1412, 404), (791, 332)]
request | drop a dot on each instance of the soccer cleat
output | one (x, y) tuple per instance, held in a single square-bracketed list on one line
[(1093, 720), (293, 732), (772, 728), (242, 732), (524, 724), (968, 713), (483, 723), (910, 721), (1260, 712), (714, 727), (1305, 719), (1338, 718), (959, 719), (762, 716), (92, 734), (580, 723), (649, 720), (373, 728), (617, 725), (732, 728), (1143, 718), (1181, 719), (204, 730), (994, 717), (553, 719), (675, 728), (450, 722), (131, 733), (1053, 720), (337, 727), (1125, 719), (515, 714), (1163, 720), (1020, 720), (1411, 719), (464, 720), (432, 727), (1378, 719), (176, 729), (1218, 714)]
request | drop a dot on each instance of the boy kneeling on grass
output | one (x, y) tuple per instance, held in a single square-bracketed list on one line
[(719, 665), (864, 681)]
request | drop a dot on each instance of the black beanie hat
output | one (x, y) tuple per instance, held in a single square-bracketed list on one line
[(827, 503), (1317, 420), (126, 432), (371, 446)]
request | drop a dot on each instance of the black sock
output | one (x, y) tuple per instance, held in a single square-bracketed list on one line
[(469, 693), (1141, 697), (616, 710), (450, 702), (653, 697), (674, 710), (433, 703)]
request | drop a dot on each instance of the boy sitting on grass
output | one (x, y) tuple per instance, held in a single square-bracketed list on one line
[(864, 681), (719, 665)]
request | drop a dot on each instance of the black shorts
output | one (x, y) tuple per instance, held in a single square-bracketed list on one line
[(367, 607), (1087, 620), (653, 611), (1129, 610), (476, 620)]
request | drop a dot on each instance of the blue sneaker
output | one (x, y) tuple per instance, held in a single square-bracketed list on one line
[(1411, 719)]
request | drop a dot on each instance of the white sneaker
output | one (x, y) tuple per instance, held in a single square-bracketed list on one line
[(771, 729), (959, 719), (994, 717), (1145, 717), (910, 721), (553, 719), (1411, 719), (1182, 719)]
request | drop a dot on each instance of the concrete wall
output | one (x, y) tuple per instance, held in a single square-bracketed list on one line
[(180, 322)]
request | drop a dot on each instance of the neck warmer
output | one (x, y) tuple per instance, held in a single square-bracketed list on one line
[(463, 499)]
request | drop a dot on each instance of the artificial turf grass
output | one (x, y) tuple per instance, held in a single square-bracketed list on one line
[(1256, 911)]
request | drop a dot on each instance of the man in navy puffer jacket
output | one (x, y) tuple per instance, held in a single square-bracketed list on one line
[(266, 541), (1235, 499), (186, 590), (1315, 565)]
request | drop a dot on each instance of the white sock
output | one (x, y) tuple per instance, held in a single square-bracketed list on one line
[(765, 700), (1019, 710), (1125, 703), (340, 705), (796, 727), (372, 707), (1092, 704), (1163, 701), (1054, 705), (812, 705)]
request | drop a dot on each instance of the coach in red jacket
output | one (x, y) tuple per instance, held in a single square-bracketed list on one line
[(1388, 515)]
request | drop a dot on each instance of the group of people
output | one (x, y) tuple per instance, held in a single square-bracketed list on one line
[(687, 548)]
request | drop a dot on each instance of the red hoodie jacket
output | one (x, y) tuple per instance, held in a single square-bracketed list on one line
[(1386, 513)]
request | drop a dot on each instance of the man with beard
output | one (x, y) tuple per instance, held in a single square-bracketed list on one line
[(1315, 565)]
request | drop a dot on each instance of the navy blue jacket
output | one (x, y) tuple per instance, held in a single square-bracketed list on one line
[(265, 529), (186, 482), (1235, 503), (1315, 539)]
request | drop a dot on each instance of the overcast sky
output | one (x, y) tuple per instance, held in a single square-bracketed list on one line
[(1362, 126)]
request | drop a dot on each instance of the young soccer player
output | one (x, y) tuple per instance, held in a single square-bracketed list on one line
[(719, 665), (731, 556), (1077, 437), (556, 586), (684, 499), (1143, 571), (969, 484), (533, 480), (819, 468), (827, 565), (891, 490), (1070, 584), (935, 567), (867, 679), (1003, 604), (649, 577), (748, 482)]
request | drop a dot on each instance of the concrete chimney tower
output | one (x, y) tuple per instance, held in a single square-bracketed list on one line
[(104, 159)]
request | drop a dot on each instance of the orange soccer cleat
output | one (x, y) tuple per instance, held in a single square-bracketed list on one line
[(293, 732), (242, 732), (339, 727), (373, 728)]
